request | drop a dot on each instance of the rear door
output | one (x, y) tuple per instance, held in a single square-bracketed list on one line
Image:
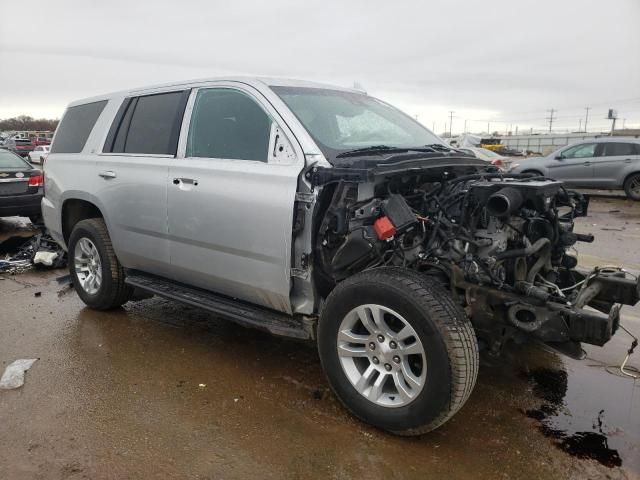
[(133, 171), (575, 165), (609, 166), (231, 197)]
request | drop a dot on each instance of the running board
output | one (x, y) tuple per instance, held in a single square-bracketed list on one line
[(239, 312)]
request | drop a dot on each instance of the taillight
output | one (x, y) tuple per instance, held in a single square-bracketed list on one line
[(36, 181), (497, 162)]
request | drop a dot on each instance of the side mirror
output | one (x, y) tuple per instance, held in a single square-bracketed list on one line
[(559, 157)]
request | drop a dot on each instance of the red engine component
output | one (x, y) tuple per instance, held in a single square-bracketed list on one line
[(384, 228)]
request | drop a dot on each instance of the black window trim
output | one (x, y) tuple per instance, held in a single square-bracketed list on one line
[(123, 117)]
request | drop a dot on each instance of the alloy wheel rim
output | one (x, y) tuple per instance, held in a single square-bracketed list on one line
[(381, 355), (635, 186), (88, 266)]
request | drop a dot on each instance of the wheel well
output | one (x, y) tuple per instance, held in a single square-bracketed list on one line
[(538, 172), (628, 177), (75, 210)]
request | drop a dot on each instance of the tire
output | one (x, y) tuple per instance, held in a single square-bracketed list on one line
[(111, 292), (632, 186), (448, 365)]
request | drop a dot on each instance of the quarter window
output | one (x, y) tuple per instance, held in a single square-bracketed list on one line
[(228, 124), (580, 151), (75, 127), (615, 149)]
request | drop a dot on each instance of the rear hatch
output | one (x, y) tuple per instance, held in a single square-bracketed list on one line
[(17, 177)]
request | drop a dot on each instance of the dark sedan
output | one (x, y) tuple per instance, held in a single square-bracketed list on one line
[(21, 187)]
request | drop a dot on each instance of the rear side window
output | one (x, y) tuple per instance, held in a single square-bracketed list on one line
[(615, 149), (75, 127), (149, 124), (228, 124)]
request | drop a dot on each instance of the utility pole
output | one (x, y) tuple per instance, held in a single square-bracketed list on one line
[(550, 118), (624, 120), (451, 112), (465, 126), (580, 125), (516, 129), (433, 127), (488, 129), (586, 118)]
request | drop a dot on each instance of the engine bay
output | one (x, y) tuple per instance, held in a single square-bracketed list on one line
[(501, 243)]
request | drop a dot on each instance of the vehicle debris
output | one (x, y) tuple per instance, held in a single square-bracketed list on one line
[(13, 376), (22, 253)]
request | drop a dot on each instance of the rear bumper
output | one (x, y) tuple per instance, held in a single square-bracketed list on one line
[(21, 205)]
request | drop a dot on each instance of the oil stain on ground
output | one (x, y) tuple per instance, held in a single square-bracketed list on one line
[(576, 435)]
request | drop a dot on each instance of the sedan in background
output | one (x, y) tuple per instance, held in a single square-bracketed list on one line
[(487, 155), (21, 187), (39, 154), (609, 162)]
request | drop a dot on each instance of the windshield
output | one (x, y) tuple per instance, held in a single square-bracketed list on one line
[(9, 160), (341, 121)]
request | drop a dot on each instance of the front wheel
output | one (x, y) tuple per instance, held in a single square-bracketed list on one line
[(397, 350), (97, 274), (632, 186)]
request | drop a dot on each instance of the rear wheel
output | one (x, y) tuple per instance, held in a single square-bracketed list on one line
[(397, 350), (534, 172), (97, 274), (632, 186)]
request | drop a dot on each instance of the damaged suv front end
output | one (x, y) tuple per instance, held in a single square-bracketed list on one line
[(500, 243)]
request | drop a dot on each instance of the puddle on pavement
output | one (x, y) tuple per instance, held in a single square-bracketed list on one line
[(588, 413)]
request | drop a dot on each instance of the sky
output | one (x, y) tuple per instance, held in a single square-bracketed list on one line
[(496, 64)]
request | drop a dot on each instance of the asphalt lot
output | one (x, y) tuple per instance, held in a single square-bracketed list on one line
[(159, 390)]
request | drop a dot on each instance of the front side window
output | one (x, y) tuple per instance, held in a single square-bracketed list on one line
[(227, 123), (75, 127), (340, 121), (580, 151), (617, 149)]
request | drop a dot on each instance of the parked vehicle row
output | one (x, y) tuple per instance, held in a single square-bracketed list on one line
[(610, 162)]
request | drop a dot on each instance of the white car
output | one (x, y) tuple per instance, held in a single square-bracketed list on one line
[(489, 156), (39, 154)]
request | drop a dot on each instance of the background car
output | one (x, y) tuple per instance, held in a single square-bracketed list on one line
[(19, 146), (487, 155), (611, 162), (21, 187), (39, 153)]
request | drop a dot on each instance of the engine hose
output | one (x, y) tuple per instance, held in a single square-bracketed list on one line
[(524, 252)]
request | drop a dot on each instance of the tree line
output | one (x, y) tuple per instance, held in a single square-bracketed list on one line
[(25, 122)]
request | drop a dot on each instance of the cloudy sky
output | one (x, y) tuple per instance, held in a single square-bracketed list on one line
[(499, 61)]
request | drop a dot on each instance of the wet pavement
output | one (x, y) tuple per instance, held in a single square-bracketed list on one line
[(159, 390)]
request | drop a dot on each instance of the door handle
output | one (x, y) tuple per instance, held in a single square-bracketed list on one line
[(187, 181), (627, 160), (108, 174), (587, 163)]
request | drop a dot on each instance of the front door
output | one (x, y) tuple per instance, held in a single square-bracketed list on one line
[(231, 198), (574, 165)]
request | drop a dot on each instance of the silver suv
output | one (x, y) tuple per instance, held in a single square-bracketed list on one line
[(322, 213), (608, 162)]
